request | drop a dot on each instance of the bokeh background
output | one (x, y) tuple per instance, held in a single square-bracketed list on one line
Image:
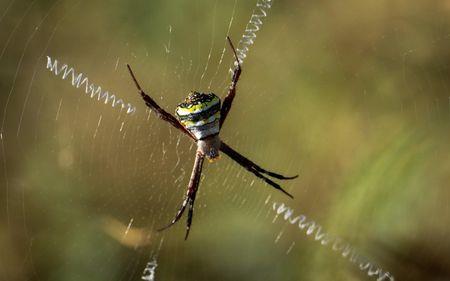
[(352, 95)]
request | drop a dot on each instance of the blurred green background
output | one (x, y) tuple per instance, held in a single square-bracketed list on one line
[(352, 95)]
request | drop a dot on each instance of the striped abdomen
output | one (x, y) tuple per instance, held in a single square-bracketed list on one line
[(200, 114)]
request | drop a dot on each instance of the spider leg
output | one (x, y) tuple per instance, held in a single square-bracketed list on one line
[(244, 161), (228, 100), (255, 169), (190, 194), (164, 115), (178, 215), (189, 218), (267, 180)]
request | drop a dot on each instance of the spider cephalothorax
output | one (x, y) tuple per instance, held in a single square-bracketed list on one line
[(200, 117)]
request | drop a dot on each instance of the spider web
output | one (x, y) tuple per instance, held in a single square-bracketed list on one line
[(354, 100)]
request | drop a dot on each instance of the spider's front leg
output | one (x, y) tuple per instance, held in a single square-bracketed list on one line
[(228, 100), (190, 194), (164, 115)]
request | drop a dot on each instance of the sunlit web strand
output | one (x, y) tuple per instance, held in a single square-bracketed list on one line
[(5, 110), (224, 46), (35, 69), (254, 25), (337, 244), (212, 43), (92, 90), (347, 251)]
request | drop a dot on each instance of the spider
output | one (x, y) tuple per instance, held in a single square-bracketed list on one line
[(200, 117)]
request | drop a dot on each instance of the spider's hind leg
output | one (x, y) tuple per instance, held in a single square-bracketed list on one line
[(255, 169), (189, 218), (274, 175), (178, 215), (190, 194), (244, 161), (268, 181)]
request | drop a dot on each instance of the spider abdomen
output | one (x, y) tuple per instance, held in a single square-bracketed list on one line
[(200, 114)]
